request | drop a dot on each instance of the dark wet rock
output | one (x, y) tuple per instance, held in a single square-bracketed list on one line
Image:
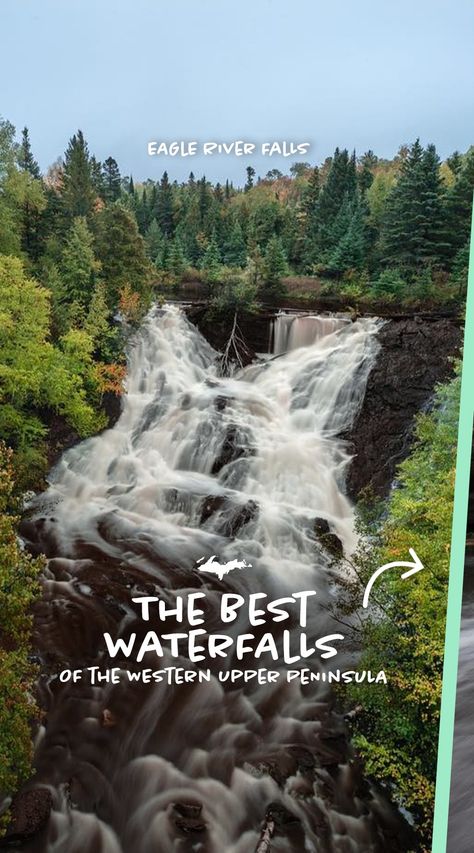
[(188, 817), (415, 355), (235, 446), (233, 516), (29, 812), (221, 402), (321, 527), (281, 821), (281, 815), (327, 538), (304, 758), (242, 515), (211, 505)]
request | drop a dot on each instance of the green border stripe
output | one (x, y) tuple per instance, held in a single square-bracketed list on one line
[(456, 573)]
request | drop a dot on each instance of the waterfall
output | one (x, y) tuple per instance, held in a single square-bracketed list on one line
[(200, 464), (291, 331), (277, 422)]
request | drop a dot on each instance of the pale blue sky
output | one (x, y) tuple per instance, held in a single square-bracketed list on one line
[(356, 73)]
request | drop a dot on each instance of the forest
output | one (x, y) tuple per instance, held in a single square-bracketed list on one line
[(84, 250)]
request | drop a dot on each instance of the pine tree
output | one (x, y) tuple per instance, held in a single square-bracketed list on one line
[(459, 204), (26, 161), (250, 176), (211, 261), (50, 278), (77, 190), (311, 219), (111, 180), (97, 321), (204, 201), (175, 260), (365, 174), (455, 162), (349, 253), (121, 252), (275, 267), (414, 222), (155, 243), (78, 263), (97, 177), (235, 250), (164, 207), (142, 212), (340, 188), (30, 199)]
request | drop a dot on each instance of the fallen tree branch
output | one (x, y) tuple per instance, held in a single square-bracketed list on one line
[(235, 343), (265, 840)]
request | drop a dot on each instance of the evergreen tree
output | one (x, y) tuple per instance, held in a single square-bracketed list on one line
[(211, 262), (26, 161), (112, 181), (142, 213), (175, 259), (455, 162), (97, 177), (265, 221), (121, 252), (275, 267), (164, 207), (50, 278), (311, 219), (340, 187), (78, 263), (349, 252), (235, 250), (204, 201), (414, 223), (77, 189), (459, 204), (155, 243), (250, 176), (389, 283), (97, 321), (365, 174)]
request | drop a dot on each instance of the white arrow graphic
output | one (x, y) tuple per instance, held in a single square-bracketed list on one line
[(413, 568)]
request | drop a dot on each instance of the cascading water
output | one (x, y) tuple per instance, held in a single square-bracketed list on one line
[(200, 464), (291, 331)]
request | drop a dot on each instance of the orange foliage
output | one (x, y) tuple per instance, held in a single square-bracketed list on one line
[(129, 303), (110, 377)]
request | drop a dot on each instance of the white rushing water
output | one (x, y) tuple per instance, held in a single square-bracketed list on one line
[(200, 464), (291, 331), (146, 478)]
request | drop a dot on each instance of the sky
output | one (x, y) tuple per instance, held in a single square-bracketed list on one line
[(358, 73)]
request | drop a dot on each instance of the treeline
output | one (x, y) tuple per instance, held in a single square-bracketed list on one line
[(396, 229)]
